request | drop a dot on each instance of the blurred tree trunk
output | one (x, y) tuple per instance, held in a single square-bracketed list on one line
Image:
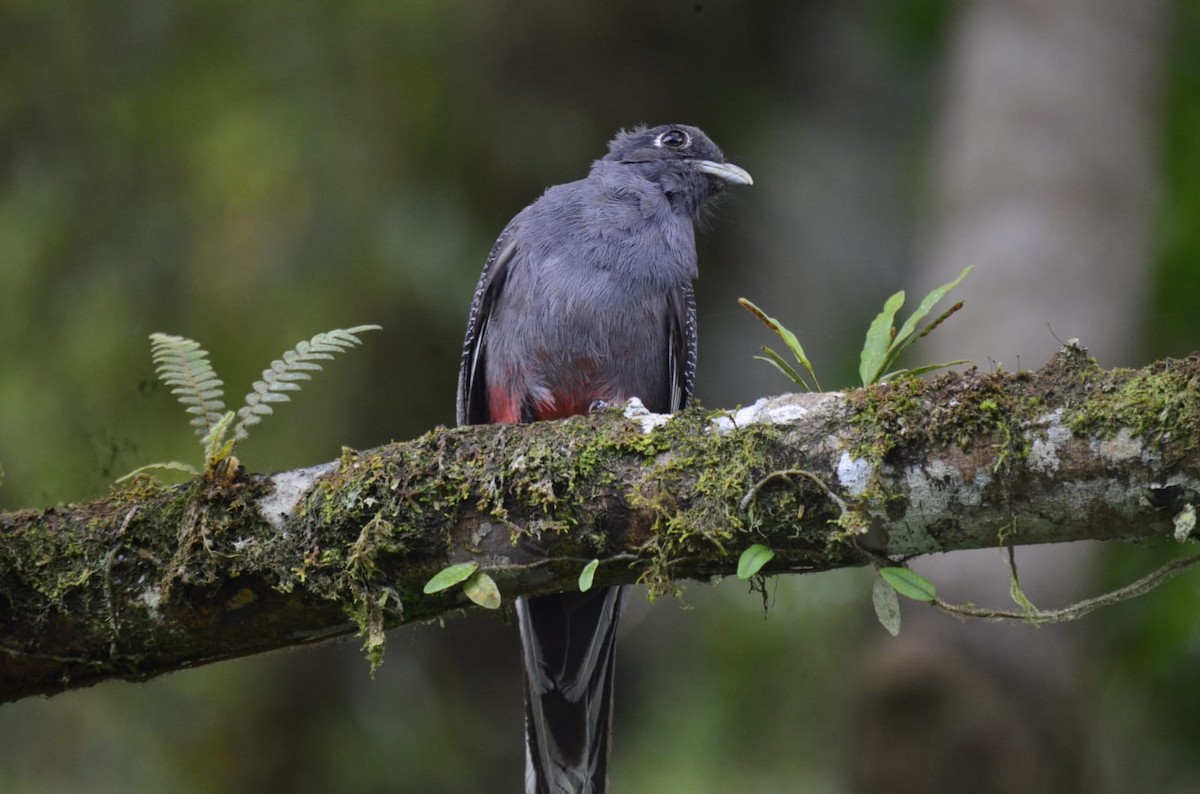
[(1044, 179)]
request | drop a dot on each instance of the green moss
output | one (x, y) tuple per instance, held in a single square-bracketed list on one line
[(1160, 403), (719, 468), (953, 410), (952, 415), (553, 477), (882, 416)]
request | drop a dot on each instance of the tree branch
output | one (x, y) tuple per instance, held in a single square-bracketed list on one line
[(156, 578)]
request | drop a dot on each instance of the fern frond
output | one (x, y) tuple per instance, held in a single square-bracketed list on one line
[(284, 374), (216, 444), (182, 364), (170, 465)]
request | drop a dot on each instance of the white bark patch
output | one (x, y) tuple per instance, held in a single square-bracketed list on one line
[(1043, 453), (1122, 447), (972, 493), (935, 490), (290, 487), (482, 531), (1185, 522), (152, 597), (784, 410), (854, 473), (931, 489)]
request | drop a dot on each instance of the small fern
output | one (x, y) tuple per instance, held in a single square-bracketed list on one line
[(296, 364), (183, 364)]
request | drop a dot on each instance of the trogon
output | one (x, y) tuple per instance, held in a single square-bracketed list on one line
[(586, 300)]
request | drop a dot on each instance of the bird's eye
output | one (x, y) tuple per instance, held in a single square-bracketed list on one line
[(674, 139)]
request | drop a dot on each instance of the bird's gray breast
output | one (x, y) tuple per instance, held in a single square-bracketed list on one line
[(585, 307)]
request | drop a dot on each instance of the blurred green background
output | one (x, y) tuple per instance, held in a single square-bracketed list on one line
[(250, 174)]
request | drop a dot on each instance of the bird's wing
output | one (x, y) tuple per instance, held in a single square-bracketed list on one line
[(472, 406), (681, 351)]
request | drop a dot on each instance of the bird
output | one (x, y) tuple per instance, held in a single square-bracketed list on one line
[(586, 301)]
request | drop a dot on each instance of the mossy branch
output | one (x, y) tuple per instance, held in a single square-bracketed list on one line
[(155, 578)]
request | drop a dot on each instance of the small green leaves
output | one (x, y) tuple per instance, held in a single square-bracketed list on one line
[(481, 589), (448, 577), (587, 575), (887, 605), (931, 300), (880, 336), (478, 586), (884, 345), (893, 580), (752, 560), (793, 345), (217, 446), (909, 583)]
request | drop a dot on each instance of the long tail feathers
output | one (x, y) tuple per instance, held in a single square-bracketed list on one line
[(567, 644)]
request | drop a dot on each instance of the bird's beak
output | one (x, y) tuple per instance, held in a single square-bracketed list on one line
[(727, 171)]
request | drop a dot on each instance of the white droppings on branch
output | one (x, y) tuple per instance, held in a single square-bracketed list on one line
[(636, 410), (289, 488), (783, 410)]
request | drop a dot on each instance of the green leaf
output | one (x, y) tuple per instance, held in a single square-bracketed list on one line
[(482, 590), (752, 560), (448, 577), (926, 330), (909, 583), (789, 339), (1014, 587), (777, 361), (879, 340), (887, 605), (171, 465), (216, 446), (1019, 598), (927, 305), (587, 574), (915, 371)]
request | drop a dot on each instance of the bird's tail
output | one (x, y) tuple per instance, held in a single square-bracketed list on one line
[(567, 644)]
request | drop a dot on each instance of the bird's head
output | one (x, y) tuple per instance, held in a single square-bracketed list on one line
[(682, 160)]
